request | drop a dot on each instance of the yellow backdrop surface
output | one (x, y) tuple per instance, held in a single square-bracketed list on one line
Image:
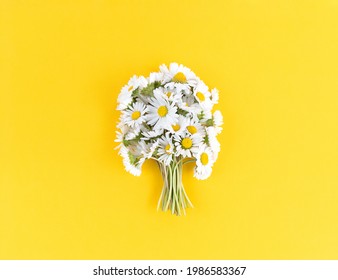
[(64, 193)]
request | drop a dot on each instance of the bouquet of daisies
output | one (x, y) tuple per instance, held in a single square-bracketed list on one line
[(168, 117)]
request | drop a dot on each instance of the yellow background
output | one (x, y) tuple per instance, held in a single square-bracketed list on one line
[(64, 193)]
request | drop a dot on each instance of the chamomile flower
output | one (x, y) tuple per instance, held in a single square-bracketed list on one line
[(123, 129), (187, 145), (135, 114), (212, 141), (132, 162), (183, 88), (131, 134), (136, 82), (214, 96), (155, 77), (172, 94), (217, 121), (194, 127), (148, 149), (124, 134), (165, 149), (202, 95), (204, 163), (124, 98), (179, 74), (188, 104), (179, 127), (162, 114), (151, 133)]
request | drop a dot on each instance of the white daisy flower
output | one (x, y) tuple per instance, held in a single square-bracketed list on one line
[(202, 95), (148, 133), (204, 163), (161, 114), (147, 150), (135, 114), (172, 94), (214, 96), (193, 127), (182, 88), (125, 134), (160, 92), (124, 98), (188, 104), (136, 82), (132, 162), (155, 77), (131, 134), (213, 142), (187, 145), (217, 121), (165, 149), (120, 135), (179, 74), (179, 127)]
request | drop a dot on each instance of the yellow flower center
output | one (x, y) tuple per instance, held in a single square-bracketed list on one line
[(200, 96), (192, 129), (162, 111), (176, 127), (167, 148), (130, 88), (186, 143), (204, 158), (168, 94), (135, 115), (180, 77)]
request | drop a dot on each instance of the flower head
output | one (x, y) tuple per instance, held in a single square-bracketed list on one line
[(162, 113)]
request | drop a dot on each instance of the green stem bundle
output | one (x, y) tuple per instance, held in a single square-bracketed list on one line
[(173, 196)]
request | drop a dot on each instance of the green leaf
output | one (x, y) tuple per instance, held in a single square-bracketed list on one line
[(201, 115), (135, 92), (206, 139), (182, 112), (126, 142), (132, 158), (209, 122), (148, 90)]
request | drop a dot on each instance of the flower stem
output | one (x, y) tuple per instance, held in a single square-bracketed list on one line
[(173, 195)]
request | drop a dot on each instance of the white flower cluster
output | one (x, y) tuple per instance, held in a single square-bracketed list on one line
[(168, 117)]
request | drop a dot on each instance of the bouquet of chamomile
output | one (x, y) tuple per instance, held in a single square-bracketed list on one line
[(168, 117)]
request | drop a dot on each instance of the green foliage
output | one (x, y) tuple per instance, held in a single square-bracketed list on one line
[(132, 158), (200, 115), (148, 90), (206, 139), (182, 112), (209, 122), (126, 142)]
